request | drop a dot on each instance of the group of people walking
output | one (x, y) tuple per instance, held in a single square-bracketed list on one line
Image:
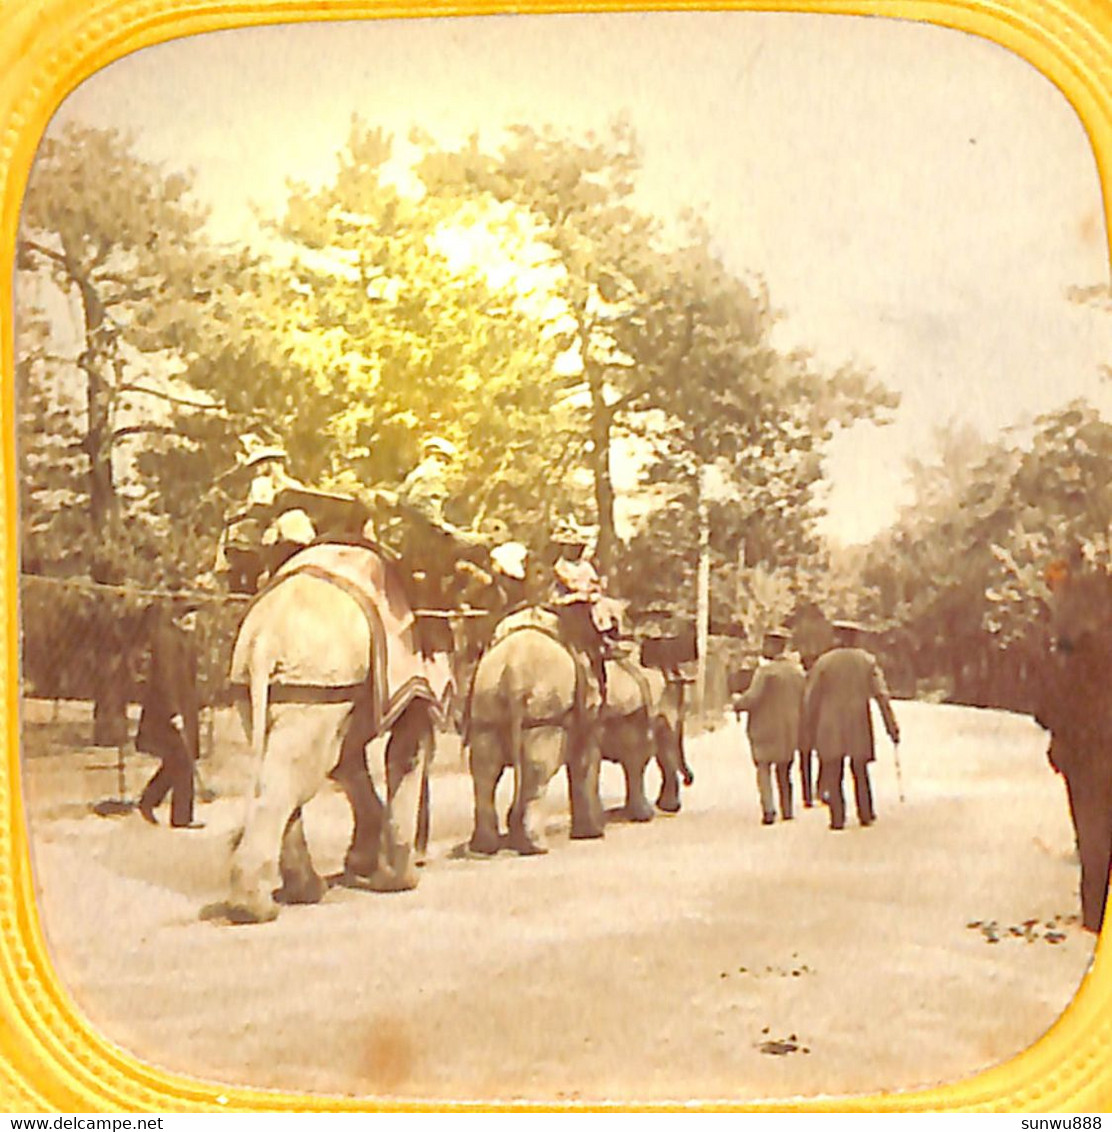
[(821, 708), (262, 530)]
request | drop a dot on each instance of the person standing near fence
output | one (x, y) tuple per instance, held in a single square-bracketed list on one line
[(169, 720)]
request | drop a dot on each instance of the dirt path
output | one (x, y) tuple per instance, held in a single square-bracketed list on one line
[(700, 956)]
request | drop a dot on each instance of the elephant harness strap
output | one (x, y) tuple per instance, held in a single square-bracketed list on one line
[(372, 688)]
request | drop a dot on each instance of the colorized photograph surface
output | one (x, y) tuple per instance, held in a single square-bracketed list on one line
[(566, 558)]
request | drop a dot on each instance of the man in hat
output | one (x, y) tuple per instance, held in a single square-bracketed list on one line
[(169, 720), (432, 545), (425, 490), (837, 722), (573, 573), (239, 555), (773, 701), (588, 617)]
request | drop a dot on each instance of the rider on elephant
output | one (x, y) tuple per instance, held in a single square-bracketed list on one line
[(588, 618), (433, 546), (240, 556)]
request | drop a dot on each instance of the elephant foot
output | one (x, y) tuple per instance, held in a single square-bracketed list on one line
[(385, 880), (361, 863), (485, 842), (641, 813), (308, 890), (253, 912), (668, 805), (399, 875), (587, 832), (525, 846)]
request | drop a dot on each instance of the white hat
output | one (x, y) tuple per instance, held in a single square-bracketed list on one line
[(439, 446), (509, 558), (291, 526), (261, 455)]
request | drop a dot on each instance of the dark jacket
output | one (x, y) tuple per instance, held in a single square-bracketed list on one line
[(170, 689), (836, 717), (773, 701)]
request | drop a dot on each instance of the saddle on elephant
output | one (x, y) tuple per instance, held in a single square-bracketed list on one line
[(399, 672)]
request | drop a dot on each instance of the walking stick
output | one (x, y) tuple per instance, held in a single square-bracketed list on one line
[(899, 773)]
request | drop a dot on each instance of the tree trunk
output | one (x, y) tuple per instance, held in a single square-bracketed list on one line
[(601, 418), (110, 684)]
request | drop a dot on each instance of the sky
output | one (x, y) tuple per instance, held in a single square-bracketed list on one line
[(918, 201)]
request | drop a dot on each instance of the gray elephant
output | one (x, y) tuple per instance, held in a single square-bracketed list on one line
[(325, 660), (533, 706), (642, 719)]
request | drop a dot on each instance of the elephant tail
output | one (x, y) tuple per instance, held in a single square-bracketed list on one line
[(681, 716), (260, 691), (681, 755)]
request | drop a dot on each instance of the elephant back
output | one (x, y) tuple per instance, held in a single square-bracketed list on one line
[(630, 688), (336, 616), (529, 664)]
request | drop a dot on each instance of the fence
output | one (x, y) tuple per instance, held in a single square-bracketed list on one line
[(80, 640)]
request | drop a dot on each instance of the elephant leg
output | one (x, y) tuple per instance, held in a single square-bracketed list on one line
[(424, 819), (366, 806), (541, 755), (583, 759), (407, 756), (1089, 804), (668, 758), (303, 744), (301, 884), (634, 760), (487, 763)]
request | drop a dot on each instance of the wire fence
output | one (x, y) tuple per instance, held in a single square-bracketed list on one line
[(81, 640)]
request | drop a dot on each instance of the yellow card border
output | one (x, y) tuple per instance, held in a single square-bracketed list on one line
[(51, 1059)]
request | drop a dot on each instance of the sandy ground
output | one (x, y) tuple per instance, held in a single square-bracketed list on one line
[(701, 956)]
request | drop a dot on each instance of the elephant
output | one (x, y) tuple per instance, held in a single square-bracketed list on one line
[(1074, 708), (533, 705), (641, 719), (325, 659)]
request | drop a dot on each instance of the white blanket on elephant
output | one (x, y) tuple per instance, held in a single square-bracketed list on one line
[(531, 617), (548, 622), (399, 672)]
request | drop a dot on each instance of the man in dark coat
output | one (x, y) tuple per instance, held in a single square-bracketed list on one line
[(773, 701), (169, 722), (837, 724)]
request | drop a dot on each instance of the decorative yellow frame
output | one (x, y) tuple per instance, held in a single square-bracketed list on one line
[(50, 1058)]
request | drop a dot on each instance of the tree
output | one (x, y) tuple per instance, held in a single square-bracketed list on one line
[(411, 316), (670, 346), (963, 572), (128, 263), (577, 196)]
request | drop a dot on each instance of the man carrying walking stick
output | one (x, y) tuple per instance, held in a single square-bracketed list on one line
[(837, 722)]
